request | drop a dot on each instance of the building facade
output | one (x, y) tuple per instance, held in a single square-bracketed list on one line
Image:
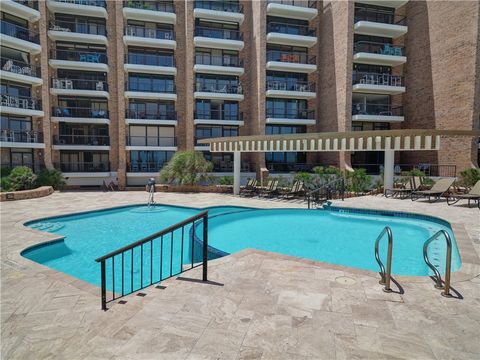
[(111, 90)]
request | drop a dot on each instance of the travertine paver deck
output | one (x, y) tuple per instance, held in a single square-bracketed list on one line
[(261, 306)]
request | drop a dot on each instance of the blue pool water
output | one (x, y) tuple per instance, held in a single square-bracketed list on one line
[(341, 238)]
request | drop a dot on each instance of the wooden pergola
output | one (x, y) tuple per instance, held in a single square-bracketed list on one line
[(388, 141)]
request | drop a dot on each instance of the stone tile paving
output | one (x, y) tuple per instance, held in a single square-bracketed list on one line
[(261, 306)]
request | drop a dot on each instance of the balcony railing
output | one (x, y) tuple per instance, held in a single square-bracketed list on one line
[(301, 3), (378, 48), (21, 102), (427, 169), (99, 3), (80, 84), (151, 141), (19, 67), (229, 6), (83, 56), (141, 31), (291, 114), (226, 34), (282, 167), (375, 15), (218, 115), (96, 166), (30, 3), (22, 136), (300, 86), (291, 57), (82, 27), (376, 109), (164, 6), (291, 29), (19, 32), (377, 79), (150, 59), (227, 166), (145, 166), (148, 115), (166, 87), (79, 112), (223, 88), (218, 60), (94, 140)]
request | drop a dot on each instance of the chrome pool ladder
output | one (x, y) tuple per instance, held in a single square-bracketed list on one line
[(448, 262), (386, 275)]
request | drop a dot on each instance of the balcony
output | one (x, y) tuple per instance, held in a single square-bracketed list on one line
[(155, 11), (219, 91), (27, 10), (94, 8), (229, 11), (218, 117), (80, 32), (156, 38), (290, 34), (288, 167), (145, 167), (373, 83), (151, 118), (21, 139), (291, 90), (216, 38), (376, 22), (150, 64), (21, 105), (20, 38), (158, 143), (19, 71), (377, 112), (81, 142), (164, 90), (217, 64), (84, 167), (293, 9), (290, 117), (85, 115), (79, 87), (373, 53), (291, 61), (78, 60)]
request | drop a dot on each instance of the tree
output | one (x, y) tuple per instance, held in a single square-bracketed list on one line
[(186, 168)]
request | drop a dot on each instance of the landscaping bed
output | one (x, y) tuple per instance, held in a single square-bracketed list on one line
[(26, 194)]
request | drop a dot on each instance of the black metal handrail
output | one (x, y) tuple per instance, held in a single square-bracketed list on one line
[(300, 3), (164, 6), (19, 67), (79, 112), (284, 85), (94, 140), (145, 259), (76, 55), (290, 114), (378, 15), (210, 32), (79, 84), (159, 115), (386, 275), (376, 109), (145, 166), (291, 57), (448, 262), (21, 102), (99, 3), (378, 48), (218, 115), (291, 29), (167, 86), (228, 6), (19, 32), (151, 140), (219, 87), (23, 136), (91, 28), (369, 78), (333, 189), (218, 60), (150, 59), (142, 31), (83, 167)]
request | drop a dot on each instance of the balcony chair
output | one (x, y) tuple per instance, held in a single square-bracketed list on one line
[(8, 65), (68, 84), (99, 86), (26, 70)]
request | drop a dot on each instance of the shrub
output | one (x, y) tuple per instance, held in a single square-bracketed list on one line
[(22, 178), (470, 177), (186, 168), (358, 180), (225, 180), (4, 172), (5, 184), (53, 178)]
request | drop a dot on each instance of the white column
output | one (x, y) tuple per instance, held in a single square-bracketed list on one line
[(236, 172), (388, 170)]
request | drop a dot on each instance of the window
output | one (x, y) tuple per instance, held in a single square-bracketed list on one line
[(146, 160), (204, 132), (143, 135), (144, 109), (15, 123), (21, 157), (286, 108), (149, 83)]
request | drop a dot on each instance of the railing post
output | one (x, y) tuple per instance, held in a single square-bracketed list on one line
[(205, 247), (104, 286)]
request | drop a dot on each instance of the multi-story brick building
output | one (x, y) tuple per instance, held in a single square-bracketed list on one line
[(112, 89)]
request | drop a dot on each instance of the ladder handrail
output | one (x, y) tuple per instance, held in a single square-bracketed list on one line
[(448, 261), (328, 187), (386, 275)]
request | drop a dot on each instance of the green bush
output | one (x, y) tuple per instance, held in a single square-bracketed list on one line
[(5, 184), (186, 168), (225, 180), (52, 178), (4, 172), (22, 178), (358, 181), (470, 177)]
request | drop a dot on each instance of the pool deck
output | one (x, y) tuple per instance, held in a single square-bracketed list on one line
[(258, 305)]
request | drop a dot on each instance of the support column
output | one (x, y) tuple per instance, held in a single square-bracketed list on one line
[(236, 172), (388, 170)]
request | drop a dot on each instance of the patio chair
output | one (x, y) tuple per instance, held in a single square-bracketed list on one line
[(250, 190), (440, 188), (296, 189), (473, 194), (271, 190), (8, 65), (414, 183)]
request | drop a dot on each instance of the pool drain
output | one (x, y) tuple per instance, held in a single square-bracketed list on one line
[(345, 280)]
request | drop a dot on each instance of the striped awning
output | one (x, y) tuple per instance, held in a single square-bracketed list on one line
[(379, 140)]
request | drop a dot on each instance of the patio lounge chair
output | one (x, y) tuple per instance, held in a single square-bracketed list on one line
[(473, 194), (296, 190), (271, 189), (249, 190), (413, 184), (440, 188)]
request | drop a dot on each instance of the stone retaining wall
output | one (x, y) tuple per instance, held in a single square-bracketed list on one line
[(26, 194), (222, 189)]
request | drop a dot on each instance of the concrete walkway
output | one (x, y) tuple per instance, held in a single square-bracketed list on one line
[(258, 305)]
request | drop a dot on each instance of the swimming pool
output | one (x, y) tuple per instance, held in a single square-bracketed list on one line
[(342, 237)]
